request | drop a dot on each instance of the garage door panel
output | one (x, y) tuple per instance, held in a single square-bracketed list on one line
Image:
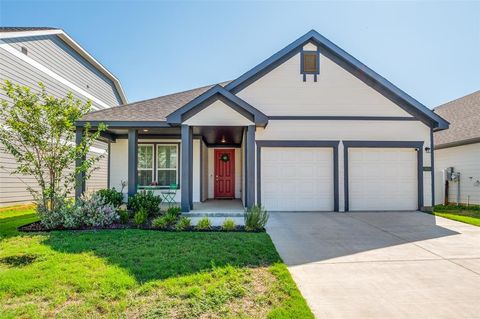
[(382, 179), (297, 179)]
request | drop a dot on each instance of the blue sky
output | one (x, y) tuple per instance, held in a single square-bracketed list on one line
[(429, 49)]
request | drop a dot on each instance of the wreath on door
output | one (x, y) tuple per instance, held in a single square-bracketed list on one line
[(224, 157)]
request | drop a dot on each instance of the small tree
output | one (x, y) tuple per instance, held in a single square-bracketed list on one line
[(38, 130)]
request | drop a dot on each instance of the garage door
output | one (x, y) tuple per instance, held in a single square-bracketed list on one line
[(382, 179), (297, 179)]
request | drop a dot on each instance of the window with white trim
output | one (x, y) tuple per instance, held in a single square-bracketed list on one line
[(167, 164), (145, 164)]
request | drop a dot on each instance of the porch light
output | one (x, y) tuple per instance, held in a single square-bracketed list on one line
[(427, 149), (145, 130), (223, 140)]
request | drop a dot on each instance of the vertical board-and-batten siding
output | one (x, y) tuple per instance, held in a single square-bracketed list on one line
[(282, 92), (13, 187)]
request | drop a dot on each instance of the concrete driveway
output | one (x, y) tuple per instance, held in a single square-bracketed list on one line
[(381, 265)]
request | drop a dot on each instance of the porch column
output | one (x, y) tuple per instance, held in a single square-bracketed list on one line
[(80, 177), (250, 166), (132, 161), (187, 168)]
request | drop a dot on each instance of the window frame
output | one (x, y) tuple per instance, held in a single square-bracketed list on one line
[(177, 168), (155, 155), (153, 161), (302, 58)]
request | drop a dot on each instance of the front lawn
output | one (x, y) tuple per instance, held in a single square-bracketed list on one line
[(138, 273), (461, 213)]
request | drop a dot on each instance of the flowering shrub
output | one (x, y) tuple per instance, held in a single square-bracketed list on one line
[(92, 211), (63, 214)]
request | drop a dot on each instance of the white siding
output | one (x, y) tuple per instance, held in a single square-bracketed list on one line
[(218, 114), (466, 160), (336, 93)]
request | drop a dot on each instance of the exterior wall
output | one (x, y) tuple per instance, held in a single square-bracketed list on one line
[(466, 160), (352, 130), (52, 53), (119, 166), (282, 92), (238, 172), (218, 114)]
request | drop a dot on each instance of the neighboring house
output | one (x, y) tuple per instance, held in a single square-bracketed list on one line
[(459, 148), (309, 129), (49, 55)]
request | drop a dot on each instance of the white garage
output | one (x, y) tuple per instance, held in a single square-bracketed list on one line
[(297, 179), (382, 179)]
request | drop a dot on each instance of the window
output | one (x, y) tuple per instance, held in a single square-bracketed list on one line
[(145, 165), (310, 62), (167, 162)]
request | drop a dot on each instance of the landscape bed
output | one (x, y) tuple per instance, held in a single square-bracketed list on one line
[(38, 227)]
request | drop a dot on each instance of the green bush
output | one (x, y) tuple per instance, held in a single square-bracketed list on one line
[(204, 224), (228, 224), (174, 211), (165, 221), (255, 218), (145, 200), (124, 216), (111, 196), (160, 222), (183, 224), (140, 217)]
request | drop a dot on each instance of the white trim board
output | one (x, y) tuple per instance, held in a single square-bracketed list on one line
[(50, 73)]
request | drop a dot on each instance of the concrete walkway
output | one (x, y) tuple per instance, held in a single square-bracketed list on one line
[(381, 265)]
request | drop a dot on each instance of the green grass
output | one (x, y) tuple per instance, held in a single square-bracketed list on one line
[(461, 213), (137, 273)]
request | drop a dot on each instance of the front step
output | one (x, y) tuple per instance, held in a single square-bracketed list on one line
[(213, 214)]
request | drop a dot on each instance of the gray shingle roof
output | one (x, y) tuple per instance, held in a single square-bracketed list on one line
[(464, 117), (155, 109), (19, 29)]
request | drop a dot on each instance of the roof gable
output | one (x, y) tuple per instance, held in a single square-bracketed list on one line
[(351, 64), (214, 94)]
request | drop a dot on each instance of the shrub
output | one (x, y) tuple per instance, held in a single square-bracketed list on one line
[(140, 217), (204, 224), (255, 218), (160, 222), (64, 214), (174, 211), (124, 216), (92, 211), (228, 224), (145, 200), (183, 224), (111, 196)]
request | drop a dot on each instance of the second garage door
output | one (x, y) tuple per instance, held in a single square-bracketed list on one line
[(297, 179), (382, 179)]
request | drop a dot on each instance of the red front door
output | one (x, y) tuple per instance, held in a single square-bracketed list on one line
[(224, 173)]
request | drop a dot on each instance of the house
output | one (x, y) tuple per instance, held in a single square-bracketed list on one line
[(457, 150), (49, 55), (309, 129)]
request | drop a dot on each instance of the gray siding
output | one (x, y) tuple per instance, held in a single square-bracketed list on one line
[(59, 57), (13, 188)]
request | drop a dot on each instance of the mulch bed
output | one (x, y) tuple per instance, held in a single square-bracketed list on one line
[(38, 227)]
